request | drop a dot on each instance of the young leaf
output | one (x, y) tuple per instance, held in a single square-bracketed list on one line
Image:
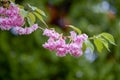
[(12, 0), (23, 13), (31, 7), (40, 12), (83, 47), (29, 21), (32, 18), (20, 6), (98, 44), (105, 43), (109, 37), (40, 17), (89, 45), (75, 28)]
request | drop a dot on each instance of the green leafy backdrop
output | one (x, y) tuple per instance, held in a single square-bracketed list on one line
[(24, 58)]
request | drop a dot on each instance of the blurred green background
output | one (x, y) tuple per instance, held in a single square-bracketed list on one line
[(24, 58)]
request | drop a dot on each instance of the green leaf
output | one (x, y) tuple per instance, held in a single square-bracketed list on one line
[(99, 45), (74, 28), (36, 9), (40, 12), (23, 13), (109, 37), (83, 47), (29, 21), (89, 45), (40, 17), (12, 0), (20, 6), (105, 43), (32, 17), (31, 7)]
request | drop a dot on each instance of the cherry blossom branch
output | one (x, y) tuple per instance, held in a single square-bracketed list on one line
[(18, 19)]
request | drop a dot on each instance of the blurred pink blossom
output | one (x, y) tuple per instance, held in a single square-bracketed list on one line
[(62, 48), (51, 33), (10, 17), (25, 31)]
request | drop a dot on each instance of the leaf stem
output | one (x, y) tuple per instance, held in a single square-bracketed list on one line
[(41, 28)]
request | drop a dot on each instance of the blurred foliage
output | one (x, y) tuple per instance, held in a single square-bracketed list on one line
[(24, 58)]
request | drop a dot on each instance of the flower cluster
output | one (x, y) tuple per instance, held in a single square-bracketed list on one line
[(57, 43), (25, 31), (10, 18)]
